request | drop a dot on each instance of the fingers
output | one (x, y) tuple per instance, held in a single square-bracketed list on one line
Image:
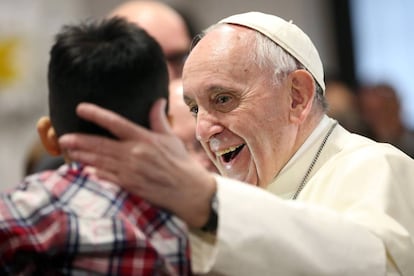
[(85, 157), (158, 117), (108, 176), (90, 150), (76, 141), (123, 128), (116, 124), (95, 162)]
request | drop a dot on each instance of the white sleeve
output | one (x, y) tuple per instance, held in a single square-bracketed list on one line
[(261, 234)]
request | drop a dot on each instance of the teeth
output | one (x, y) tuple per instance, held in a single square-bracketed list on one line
[(230, 149)]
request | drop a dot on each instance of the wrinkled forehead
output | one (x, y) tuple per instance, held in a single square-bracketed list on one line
[(222, 43), (223, 35)]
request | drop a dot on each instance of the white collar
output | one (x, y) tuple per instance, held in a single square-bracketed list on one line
[(287, 180)]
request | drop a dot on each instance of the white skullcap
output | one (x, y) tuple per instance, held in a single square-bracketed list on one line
[(287, 35)]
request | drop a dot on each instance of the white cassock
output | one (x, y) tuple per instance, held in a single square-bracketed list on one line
[(354, 216)]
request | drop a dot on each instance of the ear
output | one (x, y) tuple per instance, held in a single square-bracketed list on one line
[(48, 136), (302, 92)]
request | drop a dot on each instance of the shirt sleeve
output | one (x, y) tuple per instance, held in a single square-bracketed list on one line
[(261, 234)]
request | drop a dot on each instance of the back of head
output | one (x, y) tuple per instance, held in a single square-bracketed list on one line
[(111, 63)]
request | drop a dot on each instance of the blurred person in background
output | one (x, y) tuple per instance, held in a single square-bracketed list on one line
[(381, 111), (165, 24), (343, 106)]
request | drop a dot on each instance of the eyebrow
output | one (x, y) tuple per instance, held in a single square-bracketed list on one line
[(187, 99), (212, 88), (218, 89)]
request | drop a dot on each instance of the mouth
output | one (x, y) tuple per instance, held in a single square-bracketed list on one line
[(229, 154)]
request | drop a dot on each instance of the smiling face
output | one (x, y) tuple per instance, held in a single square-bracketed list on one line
[(244, 121)]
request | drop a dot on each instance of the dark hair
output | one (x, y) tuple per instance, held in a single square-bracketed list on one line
[(111, 63)]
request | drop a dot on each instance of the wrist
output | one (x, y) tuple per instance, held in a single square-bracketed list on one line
[(210, 226), (198, 215)]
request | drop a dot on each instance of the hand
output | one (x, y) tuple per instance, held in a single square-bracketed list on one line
[(151, 164)]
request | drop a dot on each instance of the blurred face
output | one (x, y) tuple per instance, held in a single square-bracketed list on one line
[(183, 125), (242, 119), (165, 25), (378, 104), (174, 40)]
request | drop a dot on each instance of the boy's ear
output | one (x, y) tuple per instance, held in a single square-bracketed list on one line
[(48, 136)]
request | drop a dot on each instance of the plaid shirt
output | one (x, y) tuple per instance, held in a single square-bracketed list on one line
[(68, 222)]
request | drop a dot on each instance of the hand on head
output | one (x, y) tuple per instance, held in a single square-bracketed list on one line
[(143, 161)]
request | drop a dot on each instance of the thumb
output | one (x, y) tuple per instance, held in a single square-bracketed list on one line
[(158, 117)]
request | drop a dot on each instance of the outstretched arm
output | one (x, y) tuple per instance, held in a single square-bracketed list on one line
[(150, 163), (257, 232)]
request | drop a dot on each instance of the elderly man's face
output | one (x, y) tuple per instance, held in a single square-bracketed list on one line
[(242, 117)]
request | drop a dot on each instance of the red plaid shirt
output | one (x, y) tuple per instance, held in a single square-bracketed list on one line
[(68, 222)]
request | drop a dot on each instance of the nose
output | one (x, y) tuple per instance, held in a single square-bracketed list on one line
[(207, 126)]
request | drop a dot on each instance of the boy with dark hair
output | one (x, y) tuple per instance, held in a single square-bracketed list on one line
[(68, 221)]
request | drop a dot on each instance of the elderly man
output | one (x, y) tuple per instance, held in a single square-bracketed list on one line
[(322, 201)]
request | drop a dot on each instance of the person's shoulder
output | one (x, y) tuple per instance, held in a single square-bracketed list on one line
[(361, 151), (33, 182), (353, 150)]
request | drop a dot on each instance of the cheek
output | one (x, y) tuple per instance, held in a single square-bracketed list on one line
[(266, 137), (207, 151), (266, 154)]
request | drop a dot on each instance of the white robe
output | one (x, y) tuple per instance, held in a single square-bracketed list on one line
[(355, 215)]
